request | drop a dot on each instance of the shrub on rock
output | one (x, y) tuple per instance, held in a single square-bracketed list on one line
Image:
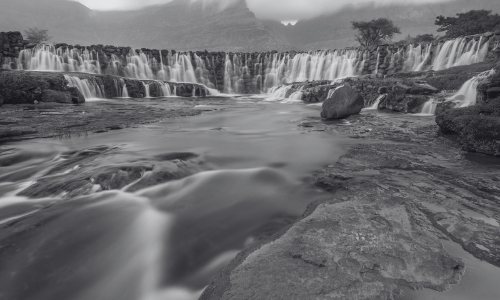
[(344, 102)]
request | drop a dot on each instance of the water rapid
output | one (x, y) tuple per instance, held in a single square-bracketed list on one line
[(153, 212)]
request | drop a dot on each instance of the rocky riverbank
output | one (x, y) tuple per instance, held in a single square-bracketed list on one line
[(56, 120), (395, 196)]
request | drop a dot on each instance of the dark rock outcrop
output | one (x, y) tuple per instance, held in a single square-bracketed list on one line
[(409, 97), (478, 126), (18, 87), (344, 102)]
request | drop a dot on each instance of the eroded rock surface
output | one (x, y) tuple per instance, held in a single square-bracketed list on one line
[(394, 198)]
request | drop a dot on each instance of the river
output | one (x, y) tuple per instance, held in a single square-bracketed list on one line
[(236, 175)]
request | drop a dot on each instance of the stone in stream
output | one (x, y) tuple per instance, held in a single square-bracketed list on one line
[(344, 102)]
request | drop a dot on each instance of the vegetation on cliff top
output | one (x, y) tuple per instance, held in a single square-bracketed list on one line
[(36, 35), (469, 23), (374, 32)]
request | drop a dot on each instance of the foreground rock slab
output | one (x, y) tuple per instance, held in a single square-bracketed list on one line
[(395, 196)]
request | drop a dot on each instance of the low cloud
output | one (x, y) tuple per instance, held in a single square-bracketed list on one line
[(306, 9), (264, 9)]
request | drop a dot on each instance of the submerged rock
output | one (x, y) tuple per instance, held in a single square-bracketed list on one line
[(344, 102)]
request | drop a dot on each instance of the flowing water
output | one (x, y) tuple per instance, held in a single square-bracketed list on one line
[(243, 176)]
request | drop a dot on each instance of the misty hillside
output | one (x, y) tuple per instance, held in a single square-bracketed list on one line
[(334, 31), (176, 25), (183, 26)]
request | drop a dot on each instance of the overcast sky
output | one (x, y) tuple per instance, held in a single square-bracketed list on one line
[(264, 9)]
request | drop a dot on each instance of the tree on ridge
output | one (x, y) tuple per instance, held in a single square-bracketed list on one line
[(36, 36), (469, 23), (374, 32)]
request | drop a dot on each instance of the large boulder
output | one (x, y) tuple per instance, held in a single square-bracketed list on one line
[(56, 96), (344, 102)]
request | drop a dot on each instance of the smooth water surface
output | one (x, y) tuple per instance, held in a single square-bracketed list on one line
[(246, 181)]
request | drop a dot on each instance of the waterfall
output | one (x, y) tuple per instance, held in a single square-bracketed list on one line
[(248, 73), (417, 57), (378, 63), (467, 94), (89, 88), (165, 89), (459, 52), (146, 88), (48, 58), (279, 92), (375, 103), (429, 108), (297, 95), (125, 92)]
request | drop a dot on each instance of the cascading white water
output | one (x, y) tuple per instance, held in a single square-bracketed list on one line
[(48, 58), (297, 95), (459, 52), (125, 92), (10, 63), (90, 89), (147, 90), (377, 64), (244, 73), (375, 103), (467, 94), (322, 65), (165, 89), (416, 58), (429, 107), (279, 92)]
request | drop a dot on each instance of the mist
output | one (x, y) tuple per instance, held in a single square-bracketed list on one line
[(264, 9)]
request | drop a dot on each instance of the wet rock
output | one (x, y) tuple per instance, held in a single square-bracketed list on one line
[(493, 92), (76, 95), (403, 98), (19, 87), (382, 90), (56, 96), (478, 126), (344, 102)]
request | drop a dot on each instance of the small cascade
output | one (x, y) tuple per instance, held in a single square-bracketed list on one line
[(297, 95), (417, 57), (429, 108), (146, 88), (10, 63), (467, 94), (375, 103), (279, 92), (175, 91), (125, 92), (165, 89), (89, 88), (378, 63)]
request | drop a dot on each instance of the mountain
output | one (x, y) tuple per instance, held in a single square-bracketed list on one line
[(186, 25), (70, 22), (179, 25), (334, 31)]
